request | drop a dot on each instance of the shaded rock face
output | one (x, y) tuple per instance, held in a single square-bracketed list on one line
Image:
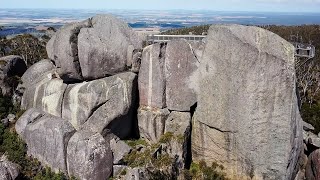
[(152, 123), (116, 114), (247, 117), (47, 137), (92, 49), (103, 48), (167, 81), (178, 123), (103, 104), (313, 168), (89, 156), (10, 66), (119, 149)]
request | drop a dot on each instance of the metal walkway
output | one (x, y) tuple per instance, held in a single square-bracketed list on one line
[(165, 38), (302, 50)]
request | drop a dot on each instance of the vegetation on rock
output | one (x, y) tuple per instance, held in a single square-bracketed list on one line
[(160, 165), (200, 171), (16, 150)]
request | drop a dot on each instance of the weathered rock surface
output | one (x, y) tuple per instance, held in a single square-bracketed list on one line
[(117, 170), (307, 126), (47, 95), (46, 136), (247, 116), (314, 141), (63, 50), (178, 123), (119, 150), (180, 64), (27, 117), (152, 123), (8, 170), (136, 174), (152, 77), (103, 47), (313, 166), (89, 156), (37, 72), (97, 103), (10, 66)]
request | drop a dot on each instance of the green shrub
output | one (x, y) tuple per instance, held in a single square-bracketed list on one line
[(27, 46), (311, 114), (14, 147), (6, 106), (134, 143), (123, 172), (47, 174), (166, 138), (202, 171), (16, 151)]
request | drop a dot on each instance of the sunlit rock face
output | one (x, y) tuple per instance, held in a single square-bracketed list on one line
[(247, 117)]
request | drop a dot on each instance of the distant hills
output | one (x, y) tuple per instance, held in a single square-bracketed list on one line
[(19, 21)]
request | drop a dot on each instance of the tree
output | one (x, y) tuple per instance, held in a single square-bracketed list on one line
[(27, 46)]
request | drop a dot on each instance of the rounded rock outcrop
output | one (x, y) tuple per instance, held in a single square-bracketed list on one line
[(94, 48)]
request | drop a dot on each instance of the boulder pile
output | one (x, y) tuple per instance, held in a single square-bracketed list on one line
[(229, 99)]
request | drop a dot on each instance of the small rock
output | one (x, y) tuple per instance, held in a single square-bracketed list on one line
[(307, 126), (136, 174), (11, 117), (140, 148), (119, 149), (315, 141), (118, 170)]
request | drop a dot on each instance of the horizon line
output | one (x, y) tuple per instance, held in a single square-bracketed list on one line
[(114, 9)]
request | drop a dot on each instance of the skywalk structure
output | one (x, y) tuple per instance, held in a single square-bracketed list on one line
[(302, 50)]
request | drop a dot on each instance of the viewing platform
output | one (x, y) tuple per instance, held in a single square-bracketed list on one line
[(302, 50)]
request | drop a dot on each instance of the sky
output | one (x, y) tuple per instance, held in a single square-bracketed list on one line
[(216, 5)]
